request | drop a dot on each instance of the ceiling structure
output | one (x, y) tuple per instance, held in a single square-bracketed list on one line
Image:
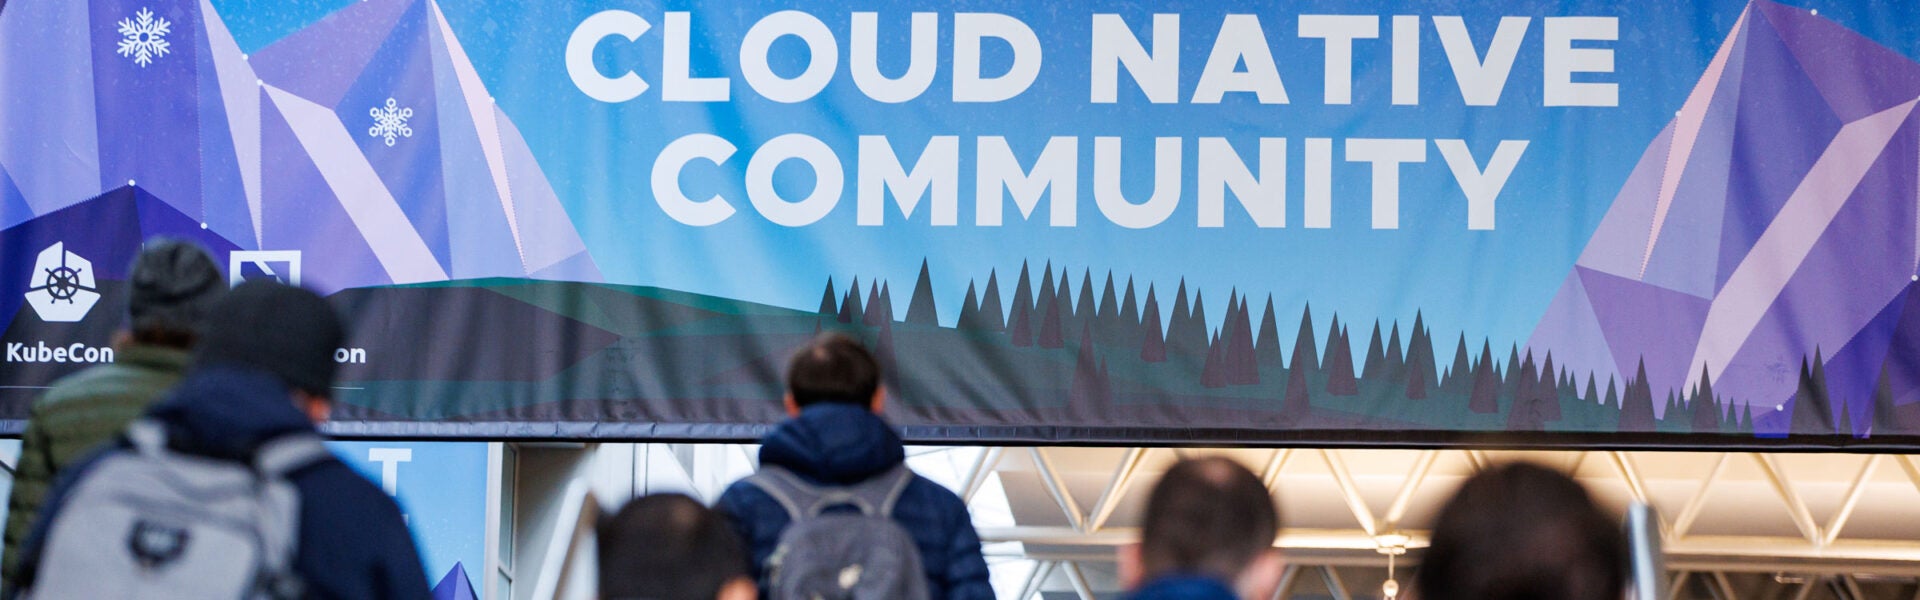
[(1734, 525)]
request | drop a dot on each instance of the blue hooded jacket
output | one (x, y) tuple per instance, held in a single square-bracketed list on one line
[(353, 541), (1181, 587), (839, 444)]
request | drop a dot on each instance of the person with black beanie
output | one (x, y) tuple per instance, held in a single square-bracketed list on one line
[(172, 285), (264, 370)]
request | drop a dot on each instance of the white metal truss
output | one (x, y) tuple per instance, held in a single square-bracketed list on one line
[(1734, 525)]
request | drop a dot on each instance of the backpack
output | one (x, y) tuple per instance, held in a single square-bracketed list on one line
[(155, 523), (841, 555)]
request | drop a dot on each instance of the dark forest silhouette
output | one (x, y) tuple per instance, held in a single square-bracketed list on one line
[(1114, 326)]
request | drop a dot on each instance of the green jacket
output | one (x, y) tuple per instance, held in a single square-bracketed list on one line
[(81, 411)]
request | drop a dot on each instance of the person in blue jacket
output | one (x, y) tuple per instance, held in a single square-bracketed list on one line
[(265, 369), (1208, 535), (836, 438)]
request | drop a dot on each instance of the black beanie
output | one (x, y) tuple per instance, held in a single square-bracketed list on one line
[(173, 285), (287, 331)]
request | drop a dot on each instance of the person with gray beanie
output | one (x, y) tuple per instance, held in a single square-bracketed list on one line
[(172, 286)]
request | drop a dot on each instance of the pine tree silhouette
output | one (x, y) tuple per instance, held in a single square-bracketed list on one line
[(1547, 394), (1196, 335), (1889, 418), (1046, 295), (1636, 408), (1063, 296), (1706, 407), (1509, 382), (1107, 320), (1153, 348), (1485, 397), (1592, 396), (1211, 373), (1811, 415), (1129, 315), (1084, 310), (885, 304), (969, 310), (1420, 361), (1296, 405), (1089, 388), (1396, 360), (920, 309), (1266, 345), (1020, 324), (871, 316), (990, 317), (1459, 378), (1613, 398), (850, 310), (828, 303), (1340, 379), (1052, 322), (1303, 345), (1376, 365), (1845, 424), (1241, 368), (1526, 414), (1333, 345), (1731, 422), (1746, 419)]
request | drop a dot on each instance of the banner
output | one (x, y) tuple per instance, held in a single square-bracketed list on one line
[(1358, 222)]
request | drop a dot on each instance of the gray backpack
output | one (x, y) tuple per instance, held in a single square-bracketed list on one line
[(842, 555), (155, 523)]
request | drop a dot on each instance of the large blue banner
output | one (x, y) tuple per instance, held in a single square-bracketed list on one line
[(1552, 222)]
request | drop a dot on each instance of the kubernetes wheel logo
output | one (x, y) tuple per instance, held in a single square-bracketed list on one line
[(62, 289)]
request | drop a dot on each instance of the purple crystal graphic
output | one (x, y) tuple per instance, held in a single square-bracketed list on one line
[(1776, 216), (285, 149)]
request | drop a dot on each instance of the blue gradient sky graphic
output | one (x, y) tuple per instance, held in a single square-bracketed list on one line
[(1495, 284)]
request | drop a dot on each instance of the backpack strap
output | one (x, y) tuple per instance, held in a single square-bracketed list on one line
[(875, 496), (147, 436), (289, 453)]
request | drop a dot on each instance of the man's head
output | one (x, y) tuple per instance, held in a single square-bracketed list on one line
[(670, 547), (1208, 517), (287, 331), (834, 368), (172, 287), (1523, 531)]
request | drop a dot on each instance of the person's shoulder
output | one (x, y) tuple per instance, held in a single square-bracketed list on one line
[(342, 492), (925, 492)]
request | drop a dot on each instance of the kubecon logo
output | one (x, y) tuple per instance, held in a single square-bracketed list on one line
[(61, 289), (40, 352)]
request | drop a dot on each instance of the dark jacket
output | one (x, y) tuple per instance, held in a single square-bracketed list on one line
[(1182, 587), (353, 542), (841, 444), (81, 411)]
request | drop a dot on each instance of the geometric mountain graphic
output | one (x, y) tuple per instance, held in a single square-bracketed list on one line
[(1774, 218), (294, 148), (455, 585)]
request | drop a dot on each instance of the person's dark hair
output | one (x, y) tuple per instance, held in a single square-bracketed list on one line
[(172, 286), (668, 547), (287, 331), (833, 368), (1207, 516), (1523, 532)]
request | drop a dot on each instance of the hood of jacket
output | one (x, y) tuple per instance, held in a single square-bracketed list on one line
[(1184, 587), (226, 412), (833, 444)]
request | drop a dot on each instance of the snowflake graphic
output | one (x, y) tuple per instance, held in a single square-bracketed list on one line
[(144, 37), (390, 121)]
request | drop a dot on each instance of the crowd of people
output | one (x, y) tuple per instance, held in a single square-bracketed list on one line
[(192, 468)]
